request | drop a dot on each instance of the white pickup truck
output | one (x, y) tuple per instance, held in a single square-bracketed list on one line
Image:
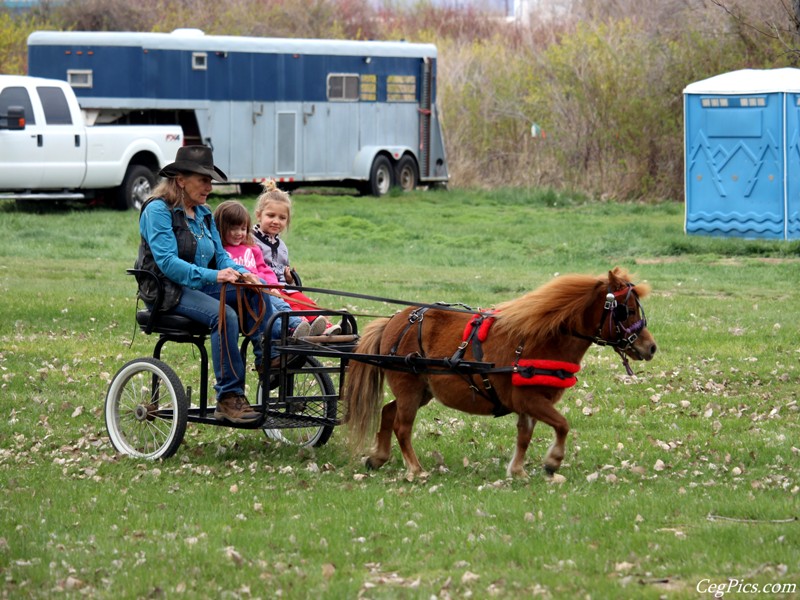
[(48, 152)]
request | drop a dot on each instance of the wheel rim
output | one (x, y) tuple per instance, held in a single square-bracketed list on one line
[(139, 412), (383, 179), (407, 180), (140, 191)]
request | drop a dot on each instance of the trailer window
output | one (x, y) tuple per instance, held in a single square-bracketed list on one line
[(369, 88), (401, 88), (199, 61), (17, 96), (80, 78), (56, 109), (343, 88)]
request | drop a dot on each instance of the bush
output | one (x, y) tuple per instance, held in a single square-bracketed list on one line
[(14, 32)]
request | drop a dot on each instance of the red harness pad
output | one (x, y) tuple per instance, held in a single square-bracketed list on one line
[(482, 322), (550, 373)]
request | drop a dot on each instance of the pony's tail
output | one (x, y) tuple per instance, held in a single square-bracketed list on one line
[(363, 389)]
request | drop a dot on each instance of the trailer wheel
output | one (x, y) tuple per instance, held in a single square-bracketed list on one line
[(136, 187), (381, 177), (407, 175)]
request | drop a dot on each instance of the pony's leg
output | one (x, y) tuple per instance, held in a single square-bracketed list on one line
[(547, 413), (383, 439), (403, 428), (525, 424)]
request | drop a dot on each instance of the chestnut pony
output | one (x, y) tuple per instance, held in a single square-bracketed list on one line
[(534, 343)]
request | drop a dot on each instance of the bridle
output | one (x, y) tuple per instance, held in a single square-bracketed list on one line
[(612, 330)]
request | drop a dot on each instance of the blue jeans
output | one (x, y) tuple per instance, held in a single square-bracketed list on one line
[(280, 305), (203, 306)]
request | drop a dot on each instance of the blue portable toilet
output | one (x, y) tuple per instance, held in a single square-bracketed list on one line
[(742, 154)]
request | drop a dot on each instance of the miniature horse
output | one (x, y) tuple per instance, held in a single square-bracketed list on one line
[(533, 345)]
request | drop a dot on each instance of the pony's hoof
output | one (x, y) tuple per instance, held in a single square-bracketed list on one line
[(421, 475), (550, 470), (372, 465), (517, 474)]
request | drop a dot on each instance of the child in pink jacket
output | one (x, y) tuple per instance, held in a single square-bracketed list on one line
[(233, 223)]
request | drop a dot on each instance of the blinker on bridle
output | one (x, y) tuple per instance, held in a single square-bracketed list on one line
[(612, 321), (617, 313)]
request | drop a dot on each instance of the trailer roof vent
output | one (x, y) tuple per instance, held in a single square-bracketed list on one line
[(188, 32)]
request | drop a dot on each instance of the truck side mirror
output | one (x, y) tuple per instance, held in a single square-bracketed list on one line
[(14, 120)]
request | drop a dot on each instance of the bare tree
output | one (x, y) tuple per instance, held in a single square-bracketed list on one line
[(777, 19)]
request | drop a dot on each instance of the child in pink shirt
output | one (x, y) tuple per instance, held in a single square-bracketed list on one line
[(233, 223)]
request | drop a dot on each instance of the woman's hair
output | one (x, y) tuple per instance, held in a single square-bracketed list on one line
[(230, 214), (169, 190), (270, 194)]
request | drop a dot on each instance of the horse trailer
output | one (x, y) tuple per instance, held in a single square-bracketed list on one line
[(301, 111)]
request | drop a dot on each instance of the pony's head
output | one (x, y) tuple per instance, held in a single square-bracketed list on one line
[(605, 310), (623, 324)]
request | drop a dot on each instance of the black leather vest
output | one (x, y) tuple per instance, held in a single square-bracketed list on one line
[(187, 247)]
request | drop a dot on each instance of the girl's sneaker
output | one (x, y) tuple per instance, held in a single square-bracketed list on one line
[(333, 330), (318, 326), (302, 330)]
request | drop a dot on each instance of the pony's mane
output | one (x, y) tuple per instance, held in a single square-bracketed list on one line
[(557, 305)]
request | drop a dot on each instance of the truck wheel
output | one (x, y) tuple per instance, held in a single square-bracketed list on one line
[(381, 177), (136, 187), (406, 174)]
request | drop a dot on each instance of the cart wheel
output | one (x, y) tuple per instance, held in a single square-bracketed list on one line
[(146, 409), (316, 398)]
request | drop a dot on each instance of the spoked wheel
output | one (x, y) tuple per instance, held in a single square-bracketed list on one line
[(146, 409), (309, 396)]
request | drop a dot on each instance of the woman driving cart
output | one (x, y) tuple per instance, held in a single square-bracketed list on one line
[(181, 244)]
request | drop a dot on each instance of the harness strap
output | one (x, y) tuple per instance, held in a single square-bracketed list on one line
[(415, 317), (475, 332)]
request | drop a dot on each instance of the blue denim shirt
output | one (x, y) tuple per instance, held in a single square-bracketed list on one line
[(155, 226)]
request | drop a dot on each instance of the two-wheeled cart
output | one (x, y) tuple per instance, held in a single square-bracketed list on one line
[(147, 406)]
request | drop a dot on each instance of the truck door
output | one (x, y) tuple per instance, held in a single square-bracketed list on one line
[(62, 141), (19, 165)]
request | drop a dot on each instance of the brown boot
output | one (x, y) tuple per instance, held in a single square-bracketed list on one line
[(234, 408)]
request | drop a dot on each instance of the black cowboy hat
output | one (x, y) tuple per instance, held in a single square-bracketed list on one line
[(194, 159)]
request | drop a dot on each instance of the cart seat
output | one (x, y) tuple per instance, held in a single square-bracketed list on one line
[(153, 321), (168, 324)]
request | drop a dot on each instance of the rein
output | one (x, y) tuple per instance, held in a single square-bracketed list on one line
[(242, 308), (440, 305)]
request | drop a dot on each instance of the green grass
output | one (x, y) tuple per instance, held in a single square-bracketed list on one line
[(709, 428)]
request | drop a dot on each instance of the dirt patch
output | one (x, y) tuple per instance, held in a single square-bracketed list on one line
[(659, 261)]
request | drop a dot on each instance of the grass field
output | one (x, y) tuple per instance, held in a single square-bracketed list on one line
[(677, 480)]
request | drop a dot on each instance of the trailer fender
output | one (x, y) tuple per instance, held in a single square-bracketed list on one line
[(363, 161)]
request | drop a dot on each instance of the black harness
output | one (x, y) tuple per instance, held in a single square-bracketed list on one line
[(616, 312), (416, 361)]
